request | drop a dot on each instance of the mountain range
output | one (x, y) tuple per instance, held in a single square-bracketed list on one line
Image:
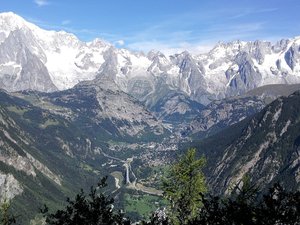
[(72, 111), (37, 59)]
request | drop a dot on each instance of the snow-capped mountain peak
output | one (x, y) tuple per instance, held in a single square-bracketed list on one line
[(10, 21), (67, 59), (228, 69)]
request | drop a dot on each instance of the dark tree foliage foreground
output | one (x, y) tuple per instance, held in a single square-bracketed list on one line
[(92, 209), (277, 207)]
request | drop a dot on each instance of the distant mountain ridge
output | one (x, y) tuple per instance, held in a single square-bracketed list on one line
[(32, 58)]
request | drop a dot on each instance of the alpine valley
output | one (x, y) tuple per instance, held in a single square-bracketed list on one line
[(72, 112)]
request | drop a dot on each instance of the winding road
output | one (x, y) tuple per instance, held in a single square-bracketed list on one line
[(133, 185), (127, 165)]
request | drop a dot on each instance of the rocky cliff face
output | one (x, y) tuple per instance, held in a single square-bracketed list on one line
[(9, 187), (267, 149)]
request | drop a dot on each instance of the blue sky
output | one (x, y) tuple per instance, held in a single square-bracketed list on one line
[(169, 25)]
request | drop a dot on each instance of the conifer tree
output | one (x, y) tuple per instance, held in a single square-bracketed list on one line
[(183, 187)]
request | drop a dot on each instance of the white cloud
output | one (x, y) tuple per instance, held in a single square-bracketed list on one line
[(120, 42), (249, 12), (65, 22), (193, 32), (194, 42), (172, 48), (41, 2)]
